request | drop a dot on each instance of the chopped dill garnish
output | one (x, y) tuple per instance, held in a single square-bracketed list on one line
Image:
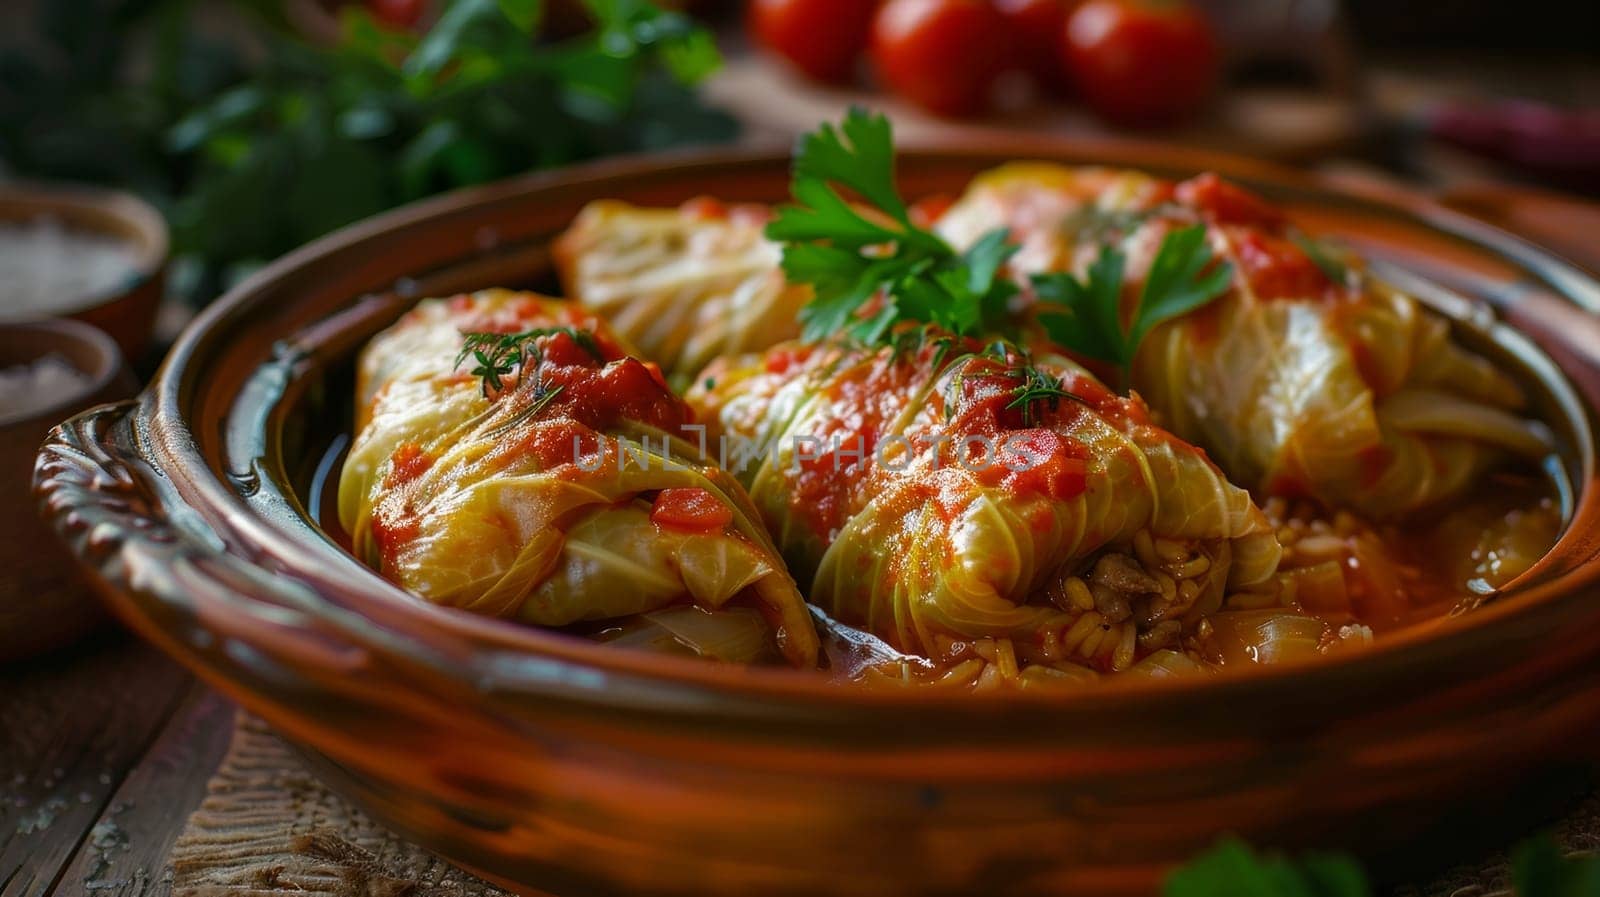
[(1037, 386), (1034, 385), (497, 355)]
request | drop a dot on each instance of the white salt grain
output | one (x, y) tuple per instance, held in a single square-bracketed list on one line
[(26, 388), (48, 268)]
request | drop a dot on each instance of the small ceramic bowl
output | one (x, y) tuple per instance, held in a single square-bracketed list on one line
[(126, 311), (44, 602)]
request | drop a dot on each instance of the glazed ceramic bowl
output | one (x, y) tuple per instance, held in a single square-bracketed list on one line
[(127, 310), (44, 602), (564, 767)]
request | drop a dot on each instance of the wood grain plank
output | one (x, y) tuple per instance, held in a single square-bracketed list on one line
[(126, 852), (72, 725)]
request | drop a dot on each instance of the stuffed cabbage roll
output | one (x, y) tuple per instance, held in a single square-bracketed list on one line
[(684, 285), (534, 470), (1310, 378), (1006, 517)]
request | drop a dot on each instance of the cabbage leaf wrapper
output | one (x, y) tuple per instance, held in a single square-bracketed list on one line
[(946, 498), (562, 493), (684, 285), (1309, 378)]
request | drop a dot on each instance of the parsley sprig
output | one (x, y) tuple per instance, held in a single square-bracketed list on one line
[(851, 257), (1086, 315), (497, 355)]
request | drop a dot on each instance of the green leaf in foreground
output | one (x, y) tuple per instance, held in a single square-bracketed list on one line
[(1232, 869), (1086, 316), (869, 266), (1540, 869), (525, 14)]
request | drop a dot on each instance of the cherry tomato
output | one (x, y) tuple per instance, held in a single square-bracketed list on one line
[(1141, 62), (1035, 27), (943, 55), (403, 14), (821, 38)]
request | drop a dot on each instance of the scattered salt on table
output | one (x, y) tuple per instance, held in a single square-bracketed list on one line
[(26, 388)]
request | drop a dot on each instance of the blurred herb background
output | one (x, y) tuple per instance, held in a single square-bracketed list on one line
[(253, 139)]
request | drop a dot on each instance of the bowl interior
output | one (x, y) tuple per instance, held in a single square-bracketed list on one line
[(86, 348), (107, 212)]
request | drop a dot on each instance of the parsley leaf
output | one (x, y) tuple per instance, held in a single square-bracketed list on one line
[(1176, 284), (1086, 316), (854, 257)]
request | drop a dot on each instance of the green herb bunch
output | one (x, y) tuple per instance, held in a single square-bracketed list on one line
[(325, 137), (1086, 315), (287, 141), (871, 268)]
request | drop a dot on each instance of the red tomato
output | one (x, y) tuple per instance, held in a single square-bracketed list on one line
[(1140, 62), (943, 55), (821, 38), (404, 14), (1035, 27)]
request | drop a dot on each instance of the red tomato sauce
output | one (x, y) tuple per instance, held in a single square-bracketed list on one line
[(788, 357), (393, 529), (556, 443), (709, 208), (1060, 471), (692, 509), (1275, 268), (926, 212), (1220, 202), (408, 462), (600, 395), (860, 404)]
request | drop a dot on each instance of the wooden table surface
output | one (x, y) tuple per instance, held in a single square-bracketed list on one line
[(105, 749)]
